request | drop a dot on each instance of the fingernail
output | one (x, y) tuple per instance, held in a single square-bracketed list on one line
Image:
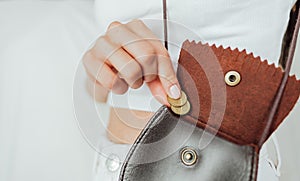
[(174, 92)]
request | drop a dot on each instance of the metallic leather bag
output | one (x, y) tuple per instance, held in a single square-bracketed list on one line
[(236, 101)]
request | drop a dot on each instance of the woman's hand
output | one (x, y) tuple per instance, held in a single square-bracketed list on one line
[(127, 56)]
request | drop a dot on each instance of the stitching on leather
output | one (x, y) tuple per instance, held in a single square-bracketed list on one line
[(140, 139), (251, 166)]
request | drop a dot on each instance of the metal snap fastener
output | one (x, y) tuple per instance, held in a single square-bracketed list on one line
[(189, 156), (232, 78), (112, 163)]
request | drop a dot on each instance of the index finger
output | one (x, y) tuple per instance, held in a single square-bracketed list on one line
[(166, 71)]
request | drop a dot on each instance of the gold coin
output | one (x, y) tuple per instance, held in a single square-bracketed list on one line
[(178, 102), (182, 110)]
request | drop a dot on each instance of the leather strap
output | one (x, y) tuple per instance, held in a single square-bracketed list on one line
[(165, 18), (288, 50)]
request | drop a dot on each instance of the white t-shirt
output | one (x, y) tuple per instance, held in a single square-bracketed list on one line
[(255, 25)]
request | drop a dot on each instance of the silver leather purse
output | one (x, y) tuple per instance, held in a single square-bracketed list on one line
[(199, 145)]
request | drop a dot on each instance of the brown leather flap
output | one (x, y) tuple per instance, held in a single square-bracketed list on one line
[(237, 113)]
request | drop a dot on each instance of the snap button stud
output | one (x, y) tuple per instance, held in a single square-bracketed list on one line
[(232, 78), (112, 163), (189, 156)]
